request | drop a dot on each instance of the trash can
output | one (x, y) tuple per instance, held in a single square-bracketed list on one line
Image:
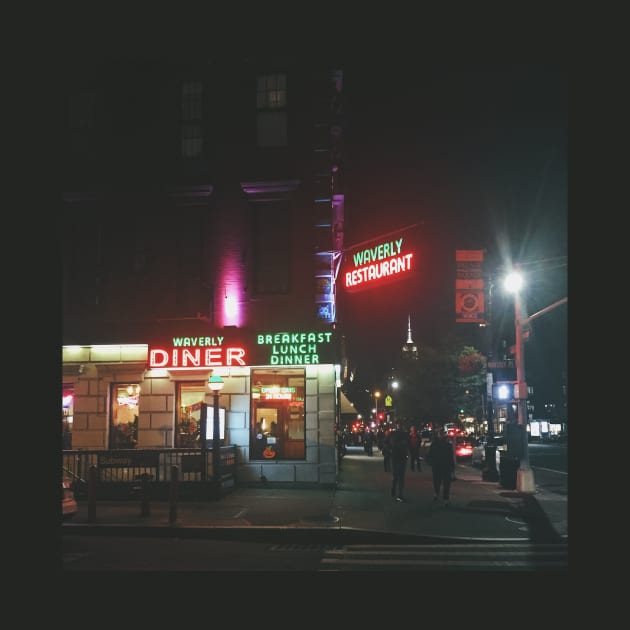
[(489, 470), (508, 465)]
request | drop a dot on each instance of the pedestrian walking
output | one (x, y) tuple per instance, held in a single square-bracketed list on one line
[(453, 440), (341, 446), (369, 442), (441, 458), (399, 447), (414, 449), (380, 437), (387, 451)]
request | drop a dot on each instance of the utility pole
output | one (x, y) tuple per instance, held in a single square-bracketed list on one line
[(524, 474), (489, 471)]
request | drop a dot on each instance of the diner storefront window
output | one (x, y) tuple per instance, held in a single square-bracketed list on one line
[(123, 430), (190, 397), (278, 421), (67, 416)]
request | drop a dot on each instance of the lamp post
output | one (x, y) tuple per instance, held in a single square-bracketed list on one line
[(377, 395), (395, 408), (524, 474), (216, 385)]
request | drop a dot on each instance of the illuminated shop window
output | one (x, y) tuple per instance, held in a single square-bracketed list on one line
[(67, 416), (278, 426), (190, 397), (123, 430)]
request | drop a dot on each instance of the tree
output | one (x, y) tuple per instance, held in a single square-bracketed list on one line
[(471, 382), (439, 383)]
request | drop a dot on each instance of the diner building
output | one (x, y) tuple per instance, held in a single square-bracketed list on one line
[(203, 224)]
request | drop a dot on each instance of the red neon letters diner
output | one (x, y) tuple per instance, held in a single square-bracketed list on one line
[(383, 261), (196, 352)]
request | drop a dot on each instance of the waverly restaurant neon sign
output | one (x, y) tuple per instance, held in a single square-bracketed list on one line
[(386, 260)]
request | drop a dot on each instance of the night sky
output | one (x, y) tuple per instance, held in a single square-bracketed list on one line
[(478, 157), (475, 154)]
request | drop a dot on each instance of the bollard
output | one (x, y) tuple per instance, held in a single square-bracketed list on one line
[(91, 494), (172, 500), (145, 509)]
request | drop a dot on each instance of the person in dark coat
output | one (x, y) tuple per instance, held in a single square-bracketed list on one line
[(386, 450), (442, 460), (399, 448), (369, 442), (414, 449)]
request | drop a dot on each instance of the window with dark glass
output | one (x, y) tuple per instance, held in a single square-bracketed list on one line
[(192, 118), (271, 91), (271, 248), (271, 104), (80, 122), (278, 419)]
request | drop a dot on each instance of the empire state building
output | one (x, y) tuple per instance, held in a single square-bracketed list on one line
[(409, 349)]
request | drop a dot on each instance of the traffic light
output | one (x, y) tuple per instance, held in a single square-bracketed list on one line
[(503, 390)]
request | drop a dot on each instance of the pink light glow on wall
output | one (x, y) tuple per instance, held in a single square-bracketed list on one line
[(230, 273), (230, 300), (230, 309)]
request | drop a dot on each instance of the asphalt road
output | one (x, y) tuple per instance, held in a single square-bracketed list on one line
[(110, 553)]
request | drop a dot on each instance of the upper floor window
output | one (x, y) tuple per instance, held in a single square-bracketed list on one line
[(192, 118), (271, 91), (271, 117), (81, 119), (272, 253)]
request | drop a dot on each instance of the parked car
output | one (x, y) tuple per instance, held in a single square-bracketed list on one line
[(463, 447), (69, 505), (478, 457)]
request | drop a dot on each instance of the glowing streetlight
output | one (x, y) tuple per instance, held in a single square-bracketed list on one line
[(377, 395)]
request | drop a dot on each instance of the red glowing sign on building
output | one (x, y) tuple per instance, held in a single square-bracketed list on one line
[(196, 352), (387, 260)]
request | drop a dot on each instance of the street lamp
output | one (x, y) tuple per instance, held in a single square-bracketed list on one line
[(524, 474), (377, 395), (216, 385)]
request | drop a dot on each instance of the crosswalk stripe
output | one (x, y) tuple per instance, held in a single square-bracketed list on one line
[(443, 557)]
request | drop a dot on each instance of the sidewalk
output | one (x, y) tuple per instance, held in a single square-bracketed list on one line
[(361, 501)]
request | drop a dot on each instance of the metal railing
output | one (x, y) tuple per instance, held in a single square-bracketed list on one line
[(119, 471)]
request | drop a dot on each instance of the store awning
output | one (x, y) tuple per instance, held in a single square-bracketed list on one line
[(346, 405)]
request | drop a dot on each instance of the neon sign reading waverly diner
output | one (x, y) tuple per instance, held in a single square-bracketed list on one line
[(385, 260), (196, 352)]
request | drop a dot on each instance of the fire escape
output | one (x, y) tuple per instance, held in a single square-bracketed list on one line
[(328, 201)]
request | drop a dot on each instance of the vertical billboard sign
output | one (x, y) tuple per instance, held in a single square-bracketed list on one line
[(469, 287)]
